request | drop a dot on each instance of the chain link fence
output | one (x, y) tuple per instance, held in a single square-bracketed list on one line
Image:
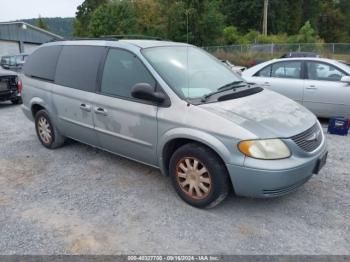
[(244, 54)]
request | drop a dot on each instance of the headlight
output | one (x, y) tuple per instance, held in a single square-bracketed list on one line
[(264, 149)]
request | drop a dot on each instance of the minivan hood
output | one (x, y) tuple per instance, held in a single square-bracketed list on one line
[(265, 114)]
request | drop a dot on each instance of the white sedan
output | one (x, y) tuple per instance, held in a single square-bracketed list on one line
[(322, 85)]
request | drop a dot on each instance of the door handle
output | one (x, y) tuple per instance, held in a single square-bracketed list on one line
[(100, 111), (311, 87), (85, 107), (266, 84)]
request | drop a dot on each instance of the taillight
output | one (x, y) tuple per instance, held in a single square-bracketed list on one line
[(19, 86)]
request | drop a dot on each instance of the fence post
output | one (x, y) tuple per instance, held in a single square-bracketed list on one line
[(333, 48), (271, 48)]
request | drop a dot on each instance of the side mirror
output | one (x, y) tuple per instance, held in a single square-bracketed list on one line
[(345, 79), (145, 91)]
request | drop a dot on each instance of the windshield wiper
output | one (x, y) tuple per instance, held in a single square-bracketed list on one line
[(234, 83), (229, 86)]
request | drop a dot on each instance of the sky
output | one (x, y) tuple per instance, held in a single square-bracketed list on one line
[(21, 9)]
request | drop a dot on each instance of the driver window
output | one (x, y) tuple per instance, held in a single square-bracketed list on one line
[(323, 72), (121, 72)]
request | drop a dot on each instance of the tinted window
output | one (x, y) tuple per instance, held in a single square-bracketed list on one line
[(42, 63), (286, 70), (321, 71), (265, 72), (122, 71), (77, 67)]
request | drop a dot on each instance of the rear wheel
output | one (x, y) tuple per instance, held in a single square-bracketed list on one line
[(199, 176), (47, 133)]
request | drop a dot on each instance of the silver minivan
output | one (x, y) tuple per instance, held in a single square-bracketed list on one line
[(177, 108)]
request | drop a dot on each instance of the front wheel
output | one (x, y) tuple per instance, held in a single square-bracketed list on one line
[(199, 176), (46, 131)]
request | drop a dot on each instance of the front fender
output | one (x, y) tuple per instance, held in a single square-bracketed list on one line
[(195, 135)]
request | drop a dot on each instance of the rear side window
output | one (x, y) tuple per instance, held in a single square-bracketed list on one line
[(77, 67), (286, 70), (42, 63), (121, 72), (265, 72)]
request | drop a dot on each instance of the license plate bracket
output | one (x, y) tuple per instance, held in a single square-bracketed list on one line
[(320, 163)]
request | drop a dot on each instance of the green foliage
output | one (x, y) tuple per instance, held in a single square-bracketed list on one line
[(217, 22), (41, 24), (113, 19), (307, 34), (231, 35), (83, 16)]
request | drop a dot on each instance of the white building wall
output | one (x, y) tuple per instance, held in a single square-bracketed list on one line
[(9, 48), (29, 48)]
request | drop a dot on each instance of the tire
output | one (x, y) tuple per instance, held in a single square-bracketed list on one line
[(210, 185), (47, 133), (16, 101)]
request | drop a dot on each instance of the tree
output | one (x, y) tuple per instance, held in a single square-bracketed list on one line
[(83, 16), (41, 24), (113, 19), (231, 35), (150, 18), (334, 22), (306, 34), (198, 20)]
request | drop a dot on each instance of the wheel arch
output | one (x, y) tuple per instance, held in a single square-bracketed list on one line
[(181, 136), (37, 104)]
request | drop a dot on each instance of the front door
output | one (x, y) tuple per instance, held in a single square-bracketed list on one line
[(324, 93), (125, 125)]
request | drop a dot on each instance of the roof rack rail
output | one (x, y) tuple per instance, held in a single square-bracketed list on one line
[(109, 38), (143, 37), (91, 38), (82, 38)]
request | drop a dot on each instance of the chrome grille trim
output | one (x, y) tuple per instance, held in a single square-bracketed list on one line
[(306, 144)]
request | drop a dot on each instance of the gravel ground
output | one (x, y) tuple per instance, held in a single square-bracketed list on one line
[(80, 200)]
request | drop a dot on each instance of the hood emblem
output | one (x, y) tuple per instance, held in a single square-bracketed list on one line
[(314, 137)]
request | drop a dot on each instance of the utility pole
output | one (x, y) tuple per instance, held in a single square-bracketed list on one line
[(266, 4), (187, 12)]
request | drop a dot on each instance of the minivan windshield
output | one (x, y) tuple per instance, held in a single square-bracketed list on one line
[(190, 71)]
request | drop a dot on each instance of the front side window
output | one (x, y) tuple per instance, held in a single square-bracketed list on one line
[(189, 71), (288, 69), (323, 72), (121, 72)]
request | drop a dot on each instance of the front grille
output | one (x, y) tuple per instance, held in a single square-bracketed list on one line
[(310, 139)]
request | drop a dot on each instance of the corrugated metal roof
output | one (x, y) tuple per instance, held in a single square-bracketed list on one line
[(21, 31)]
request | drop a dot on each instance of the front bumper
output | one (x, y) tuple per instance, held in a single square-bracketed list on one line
[(272, 180), (9, 95)]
